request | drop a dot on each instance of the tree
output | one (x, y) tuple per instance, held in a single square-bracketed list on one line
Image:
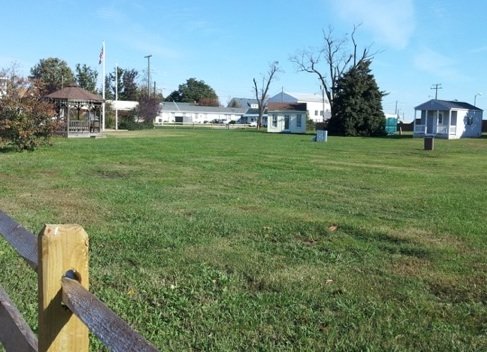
[(51, 74), (86, 77), (338, 57), (129, 89), (194, 91), (358, 104), (25, 118), (149, 107), (127, 84), (261, 93)]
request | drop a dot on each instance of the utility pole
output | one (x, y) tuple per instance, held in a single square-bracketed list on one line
[(148, 73), (436, 86)]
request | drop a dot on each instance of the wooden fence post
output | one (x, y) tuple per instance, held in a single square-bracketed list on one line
[(61, 248)]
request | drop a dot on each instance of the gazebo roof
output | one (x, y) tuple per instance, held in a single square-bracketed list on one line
[(74, 93)]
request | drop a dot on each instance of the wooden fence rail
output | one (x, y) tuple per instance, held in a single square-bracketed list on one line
[(15, 334), (67, 310)]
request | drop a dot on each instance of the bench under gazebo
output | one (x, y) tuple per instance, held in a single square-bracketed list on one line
[(79, 110)]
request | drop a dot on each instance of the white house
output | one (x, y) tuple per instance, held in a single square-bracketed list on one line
[(317, 105), (447, 119), (251, 113), (123, 105), (3, 86), (286, 118), (191, 113)]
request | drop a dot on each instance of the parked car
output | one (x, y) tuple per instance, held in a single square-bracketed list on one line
[(253, 124)]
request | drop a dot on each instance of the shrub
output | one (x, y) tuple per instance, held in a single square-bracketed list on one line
[(26, 120)]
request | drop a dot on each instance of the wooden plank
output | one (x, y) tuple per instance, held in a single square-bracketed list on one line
[(61, 248), (22, 240), (115, 333), (15, 334)]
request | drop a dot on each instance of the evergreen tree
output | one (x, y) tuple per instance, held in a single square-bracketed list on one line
[(358, 104)]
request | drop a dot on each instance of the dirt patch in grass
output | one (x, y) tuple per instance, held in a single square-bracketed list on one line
[(458, 289), (410, 266)]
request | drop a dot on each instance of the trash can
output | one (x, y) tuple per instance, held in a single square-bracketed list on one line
[(429, 143), (321, 136)]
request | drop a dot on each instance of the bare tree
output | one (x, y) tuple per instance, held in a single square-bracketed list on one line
[(338, 55), (261, 93)]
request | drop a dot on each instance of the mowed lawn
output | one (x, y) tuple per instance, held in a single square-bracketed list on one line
[(228, 240)]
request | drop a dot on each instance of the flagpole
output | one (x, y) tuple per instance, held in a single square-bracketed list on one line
[(103, 86), (116, 96)]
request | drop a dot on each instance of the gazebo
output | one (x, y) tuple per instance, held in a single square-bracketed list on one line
[(79, 110)]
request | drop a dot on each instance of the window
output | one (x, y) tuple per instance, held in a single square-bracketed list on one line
[(299, 121), (316, 112), (440, 118), (321, 113), (274, 121)]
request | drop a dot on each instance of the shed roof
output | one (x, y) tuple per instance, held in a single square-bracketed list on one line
[(286, 107), (435, 104)]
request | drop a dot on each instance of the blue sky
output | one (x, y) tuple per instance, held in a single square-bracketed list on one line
[(227, 43)]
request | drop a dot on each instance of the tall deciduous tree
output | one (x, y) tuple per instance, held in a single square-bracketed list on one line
[(127, 84), (332, 60), (358, 104), (194, 91), (261, 94), (51, 74), (86, 77)]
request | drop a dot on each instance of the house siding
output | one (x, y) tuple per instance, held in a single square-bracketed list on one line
[(277, 122), (448, 119)]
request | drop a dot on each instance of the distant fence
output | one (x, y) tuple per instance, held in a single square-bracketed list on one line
[(67, 310), (203, 125)]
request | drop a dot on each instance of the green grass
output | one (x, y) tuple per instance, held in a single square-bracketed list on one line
[(232, 240)]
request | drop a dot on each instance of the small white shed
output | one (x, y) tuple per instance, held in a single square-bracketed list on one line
[(286, 118), (447, 119)]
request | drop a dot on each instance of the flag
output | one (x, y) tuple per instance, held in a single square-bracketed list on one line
[(102, 56)]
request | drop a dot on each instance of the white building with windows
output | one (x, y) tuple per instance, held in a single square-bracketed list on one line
[(188, 113), (286, 118), (447, 119), (317, 105), (3, 86)]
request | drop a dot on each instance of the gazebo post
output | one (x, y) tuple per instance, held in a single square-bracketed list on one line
[(67, 122)]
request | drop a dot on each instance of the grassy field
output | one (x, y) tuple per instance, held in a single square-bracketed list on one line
[(228, 240)]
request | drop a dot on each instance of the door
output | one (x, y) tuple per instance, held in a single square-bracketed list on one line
[(286, 122)]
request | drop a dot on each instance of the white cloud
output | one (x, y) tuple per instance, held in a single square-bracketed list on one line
[(390, 21), (437, 64)]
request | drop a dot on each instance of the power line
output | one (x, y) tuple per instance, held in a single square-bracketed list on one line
[(436, 86)]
